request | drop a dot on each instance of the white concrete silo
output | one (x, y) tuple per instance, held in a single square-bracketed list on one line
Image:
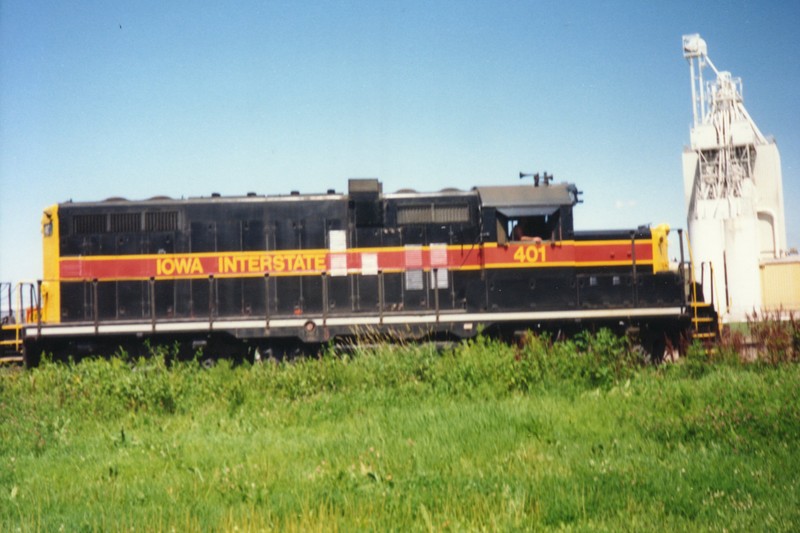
[(733, 190)]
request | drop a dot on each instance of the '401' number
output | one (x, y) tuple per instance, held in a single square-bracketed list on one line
[(531, 254)]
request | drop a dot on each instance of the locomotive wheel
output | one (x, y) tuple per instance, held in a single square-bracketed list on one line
[(31, 354), (648, 344), (659, 347)]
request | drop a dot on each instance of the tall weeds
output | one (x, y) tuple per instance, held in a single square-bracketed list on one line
[(590, 360), (778, 339), (481, 367)]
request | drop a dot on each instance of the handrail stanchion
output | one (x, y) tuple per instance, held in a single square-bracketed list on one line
[(152, 287), (266, 301), (38, 308), (324, 300), (95, 310), (435, 273), (633, 266), (211, 299), (683, 260), (380, 297)]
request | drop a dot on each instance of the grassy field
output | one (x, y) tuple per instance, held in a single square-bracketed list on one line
[(575, 435)]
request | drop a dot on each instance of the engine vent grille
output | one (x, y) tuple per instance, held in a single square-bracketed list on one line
[(161, 221), (432, 214), (126, 222), (88, 224)]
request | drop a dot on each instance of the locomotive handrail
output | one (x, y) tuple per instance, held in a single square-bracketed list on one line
[(693, 285), (711, 274), (6, 294), (703, 276), (713, 289), (28, 309), (696, 304)]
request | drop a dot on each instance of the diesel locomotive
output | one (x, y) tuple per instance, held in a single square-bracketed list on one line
[(273, 275)]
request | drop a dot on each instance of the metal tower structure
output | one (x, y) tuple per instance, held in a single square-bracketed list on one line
[(733, 190)]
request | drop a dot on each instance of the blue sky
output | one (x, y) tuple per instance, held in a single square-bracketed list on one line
[(138, 99)]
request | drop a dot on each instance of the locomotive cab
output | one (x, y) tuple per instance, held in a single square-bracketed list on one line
[(534, 227), (525, 213)]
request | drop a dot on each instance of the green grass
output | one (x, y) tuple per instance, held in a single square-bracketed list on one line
[(574, 436)]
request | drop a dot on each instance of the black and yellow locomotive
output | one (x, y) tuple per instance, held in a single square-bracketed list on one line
[(275, 274)]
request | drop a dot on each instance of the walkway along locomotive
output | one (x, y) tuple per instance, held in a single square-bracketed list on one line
[(275, 274)]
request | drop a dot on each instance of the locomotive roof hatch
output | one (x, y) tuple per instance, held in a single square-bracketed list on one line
[(526, 201)]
